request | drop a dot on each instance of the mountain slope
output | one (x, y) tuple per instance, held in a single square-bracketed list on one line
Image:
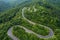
[(45, 14), (4, 6), (8, 4)]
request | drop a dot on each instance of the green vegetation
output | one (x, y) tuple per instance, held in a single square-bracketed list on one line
[(8, 15), (22, 35), (3, 31), (46, 15), (43, 16)]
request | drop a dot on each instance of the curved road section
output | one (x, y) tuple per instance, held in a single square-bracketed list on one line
[(10, 34), (51, 33)]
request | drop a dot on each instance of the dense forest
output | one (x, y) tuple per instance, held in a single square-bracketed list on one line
[(39, 12)]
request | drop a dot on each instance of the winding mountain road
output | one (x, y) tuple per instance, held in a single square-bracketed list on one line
[(10, 34)]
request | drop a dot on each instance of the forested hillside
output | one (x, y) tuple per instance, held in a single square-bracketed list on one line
[(4, 6), (38, 18), (8, 4)]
